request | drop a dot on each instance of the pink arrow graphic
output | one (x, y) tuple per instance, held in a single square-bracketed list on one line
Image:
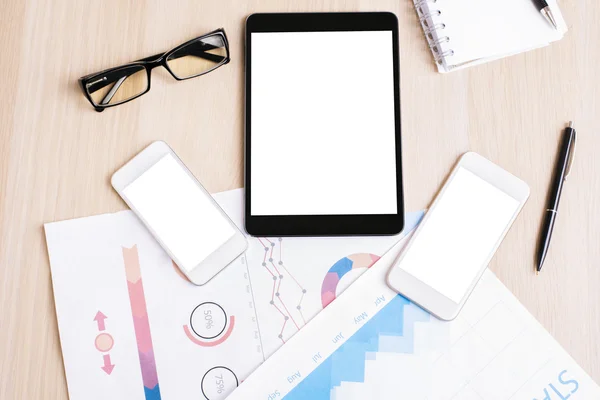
[(100, 319), (108, 367)]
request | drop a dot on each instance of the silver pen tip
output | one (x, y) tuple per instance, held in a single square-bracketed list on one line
[(570, 124), (547, 12)]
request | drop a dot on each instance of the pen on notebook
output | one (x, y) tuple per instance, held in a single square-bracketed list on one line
[(544, 8), (561, 172)]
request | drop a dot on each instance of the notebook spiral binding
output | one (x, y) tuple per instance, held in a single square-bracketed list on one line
[(426, 12)]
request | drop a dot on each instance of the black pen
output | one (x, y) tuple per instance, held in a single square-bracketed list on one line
[(561, 172), (544, 8)]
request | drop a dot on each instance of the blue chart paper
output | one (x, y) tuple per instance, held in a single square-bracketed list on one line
[(390, 330), (371, 343)]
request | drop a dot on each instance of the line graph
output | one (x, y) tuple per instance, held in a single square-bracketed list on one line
[(278, 271), (293, 279)]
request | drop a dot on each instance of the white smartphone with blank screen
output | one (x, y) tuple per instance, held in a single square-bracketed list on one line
[(181, 215), (453, 245)]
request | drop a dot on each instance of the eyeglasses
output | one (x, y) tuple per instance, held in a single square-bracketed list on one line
[(119, 85)]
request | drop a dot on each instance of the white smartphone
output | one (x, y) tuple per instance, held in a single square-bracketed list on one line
[(458, 236), (181, 215)]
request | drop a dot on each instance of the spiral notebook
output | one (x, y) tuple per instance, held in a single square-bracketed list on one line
[(463, 33)]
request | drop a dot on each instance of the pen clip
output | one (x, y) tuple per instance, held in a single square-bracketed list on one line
[(571, 154)]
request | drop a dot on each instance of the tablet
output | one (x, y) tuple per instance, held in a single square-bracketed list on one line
[(323, 154)]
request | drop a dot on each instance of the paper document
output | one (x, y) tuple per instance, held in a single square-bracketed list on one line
[(374, 344), (133, 328)]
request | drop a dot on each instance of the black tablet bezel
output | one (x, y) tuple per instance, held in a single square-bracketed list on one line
[(323, 225)]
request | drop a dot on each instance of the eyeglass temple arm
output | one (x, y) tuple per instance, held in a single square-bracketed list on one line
[(112, 91), (199, 50), (106, 80)]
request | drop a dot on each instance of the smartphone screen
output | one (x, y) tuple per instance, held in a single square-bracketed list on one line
[(459, 235), (179, 212)]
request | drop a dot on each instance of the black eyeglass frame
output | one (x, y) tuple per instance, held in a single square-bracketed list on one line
[(149, 63)]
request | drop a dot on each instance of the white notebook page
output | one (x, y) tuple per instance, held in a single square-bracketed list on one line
[(480, 29)]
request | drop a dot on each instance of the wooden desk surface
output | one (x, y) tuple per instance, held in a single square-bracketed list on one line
[(57, 153)]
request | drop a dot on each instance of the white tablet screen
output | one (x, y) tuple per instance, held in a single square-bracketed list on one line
[(322, 123)]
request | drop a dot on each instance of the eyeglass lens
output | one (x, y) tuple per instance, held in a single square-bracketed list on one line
[(198, 57), (118, 86)]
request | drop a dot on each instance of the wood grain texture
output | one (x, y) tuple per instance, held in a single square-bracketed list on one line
[(57, 153)]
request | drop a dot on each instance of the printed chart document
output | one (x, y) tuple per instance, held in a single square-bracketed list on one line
[(374, 344), (133, 328)]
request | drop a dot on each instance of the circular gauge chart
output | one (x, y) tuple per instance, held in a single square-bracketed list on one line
[(339, 270)]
